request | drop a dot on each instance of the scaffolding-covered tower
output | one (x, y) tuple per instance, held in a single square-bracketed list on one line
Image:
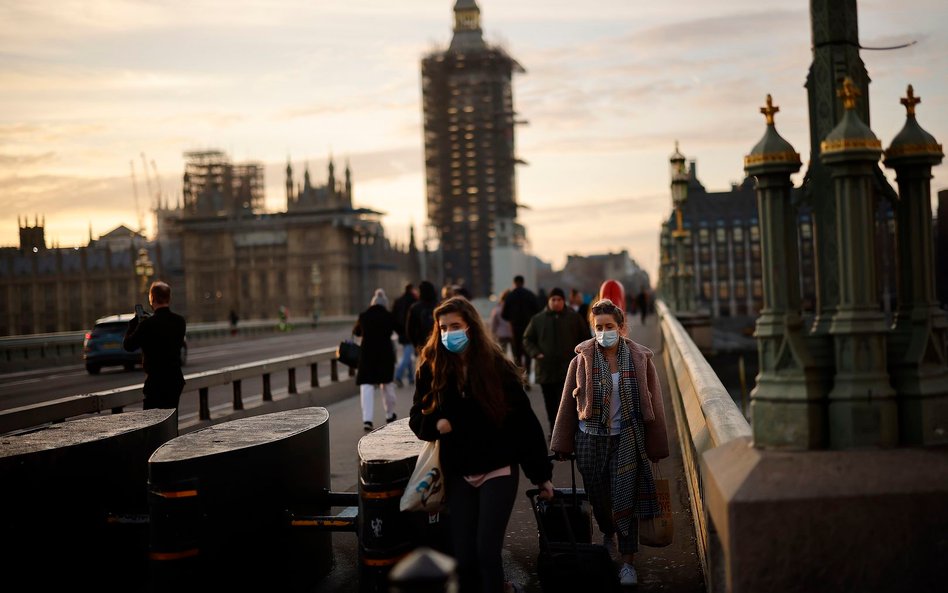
[(215, 186), (469, 148)]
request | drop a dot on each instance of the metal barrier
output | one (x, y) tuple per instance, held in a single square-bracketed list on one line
[(25, 350), (115, 400)]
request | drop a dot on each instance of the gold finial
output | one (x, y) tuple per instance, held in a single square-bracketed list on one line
[(769, 110), (849, 92), (910, 101)]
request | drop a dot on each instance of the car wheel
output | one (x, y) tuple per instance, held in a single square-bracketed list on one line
[(93, 369)]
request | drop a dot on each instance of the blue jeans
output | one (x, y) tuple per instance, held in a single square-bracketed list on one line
[(406, 366)]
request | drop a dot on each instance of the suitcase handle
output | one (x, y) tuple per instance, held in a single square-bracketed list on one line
[(572, 470)]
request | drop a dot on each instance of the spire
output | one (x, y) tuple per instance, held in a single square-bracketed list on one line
[(289, 180), (467, 27), (348, 181), (332, 177), (306, 182)]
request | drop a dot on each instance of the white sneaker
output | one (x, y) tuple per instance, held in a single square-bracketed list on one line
[(610, 544), (627, 576)]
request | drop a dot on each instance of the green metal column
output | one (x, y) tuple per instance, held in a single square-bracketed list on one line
[(918, 350), (862, 405), (788, 404)]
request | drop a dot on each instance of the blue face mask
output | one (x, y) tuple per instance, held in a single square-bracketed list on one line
[(607, 339), (455, 341)]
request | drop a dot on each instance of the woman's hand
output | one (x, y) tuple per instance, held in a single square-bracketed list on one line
[(546, 491), (443, 426)]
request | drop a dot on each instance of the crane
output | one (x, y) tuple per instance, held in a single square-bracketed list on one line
[(138, 210), (154, 169), (147, 178)]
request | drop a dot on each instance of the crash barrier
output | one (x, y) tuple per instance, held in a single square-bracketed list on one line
[(35, 350), (223, 500), (115, 400), (387, 458), (74, 495)]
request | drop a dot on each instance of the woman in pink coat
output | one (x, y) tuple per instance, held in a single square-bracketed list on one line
[(612, 417)]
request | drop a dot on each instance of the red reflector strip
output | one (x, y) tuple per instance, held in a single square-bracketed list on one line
[(382, 561), (174, 555), (176, 493), (385, 494)]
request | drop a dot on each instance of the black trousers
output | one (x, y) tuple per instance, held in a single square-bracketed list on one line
[(520, 355), (552, 393), (479, 518)]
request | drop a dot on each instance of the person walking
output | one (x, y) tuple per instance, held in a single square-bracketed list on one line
[(161, 338), (232, 316), (376, 358), (471, 397), (615, 427), (641, 303), (578, 303), (500, 327), (406, 366), (519, 308), (421, 316), (550, 339)]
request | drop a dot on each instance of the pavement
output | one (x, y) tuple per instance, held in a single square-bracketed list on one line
[(675, 568)]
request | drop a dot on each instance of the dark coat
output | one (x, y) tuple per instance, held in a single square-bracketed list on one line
[(400, 311), (519, 308), (475, 444), (377, 356), (161, 337), (555, 335)]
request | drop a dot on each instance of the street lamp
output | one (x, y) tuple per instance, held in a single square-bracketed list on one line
[(679, 191), (144, 269)]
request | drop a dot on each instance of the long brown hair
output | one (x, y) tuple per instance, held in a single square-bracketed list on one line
[(483, 364)]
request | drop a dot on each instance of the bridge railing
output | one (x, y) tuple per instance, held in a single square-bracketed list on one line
[(115, 400), (17, 352), (706, 417)]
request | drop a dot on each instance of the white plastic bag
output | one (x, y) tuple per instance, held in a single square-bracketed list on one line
[(425, 488)]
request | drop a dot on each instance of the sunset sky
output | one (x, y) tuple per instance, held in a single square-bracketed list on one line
[(90, 85)]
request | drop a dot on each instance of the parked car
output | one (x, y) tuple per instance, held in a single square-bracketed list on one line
[(103, 345)]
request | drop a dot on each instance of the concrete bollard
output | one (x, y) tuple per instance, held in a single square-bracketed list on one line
[(424, 571), (386, 534), (221, 499)]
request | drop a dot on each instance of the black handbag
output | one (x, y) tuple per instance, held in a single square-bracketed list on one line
[(348, 353)]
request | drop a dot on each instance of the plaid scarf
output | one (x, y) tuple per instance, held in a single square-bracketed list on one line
[(633, 486)]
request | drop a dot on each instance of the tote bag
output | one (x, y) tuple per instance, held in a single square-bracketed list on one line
[(658, 532), (348, 353), (425, 488)]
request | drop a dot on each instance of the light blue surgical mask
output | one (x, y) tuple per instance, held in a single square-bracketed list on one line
[(607, 339), (455, 341)]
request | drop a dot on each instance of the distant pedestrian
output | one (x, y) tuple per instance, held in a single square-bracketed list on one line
[(376, 358), (406, 366), (421, 315), (500, 327), (641, 303), (233, 322), (615, 427), (519, 308), (161, 338), (470, 398), (578, 303), (550, 339)]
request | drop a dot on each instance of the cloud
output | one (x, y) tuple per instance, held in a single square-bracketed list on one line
[(20, 160)]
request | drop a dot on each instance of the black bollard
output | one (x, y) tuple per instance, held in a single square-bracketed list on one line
[(424, 571)]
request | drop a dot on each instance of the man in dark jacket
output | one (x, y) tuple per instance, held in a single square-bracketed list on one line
[(550, 338), (519, 308), (161, 338), (421, 315), (400, 311)]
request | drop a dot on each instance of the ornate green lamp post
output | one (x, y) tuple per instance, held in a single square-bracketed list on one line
[(681, 276), (787, 403), (918, 342), (862, 405)]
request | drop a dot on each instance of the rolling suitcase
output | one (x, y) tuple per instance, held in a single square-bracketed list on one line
[(570, 566), (578, 512)]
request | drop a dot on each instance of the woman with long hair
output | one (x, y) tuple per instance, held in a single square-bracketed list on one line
[(611, 414), (471, 397)]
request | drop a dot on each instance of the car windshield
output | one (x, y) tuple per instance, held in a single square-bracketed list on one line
[(107, 329)]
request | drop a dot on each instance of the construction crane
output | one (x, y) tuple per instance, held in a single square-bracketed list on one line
[(147, 178), (138, 210), (154, 169)]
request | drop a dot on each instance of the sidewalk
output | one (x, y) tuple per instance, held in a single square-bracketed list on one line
[(675, 568)]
